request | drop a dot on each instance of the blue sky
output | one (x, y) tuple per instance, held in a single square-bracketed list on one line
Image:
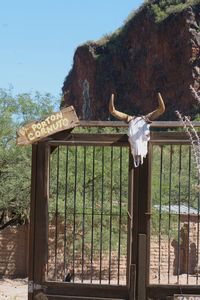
[(39, 37)]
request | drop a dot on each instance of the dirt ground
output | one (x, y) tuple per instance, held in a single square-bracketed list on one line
[(13, 289)]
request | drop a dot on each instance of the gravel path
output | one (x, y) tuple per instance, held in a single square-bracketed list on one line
[(13, 289)]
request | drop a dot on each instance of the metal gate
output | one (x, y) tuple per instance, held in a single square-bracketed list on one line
[(173, 254), (102, 230), (81, 218)]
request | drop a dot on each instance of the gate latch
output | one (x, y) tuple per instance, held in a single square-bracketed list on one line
[(32, 286)]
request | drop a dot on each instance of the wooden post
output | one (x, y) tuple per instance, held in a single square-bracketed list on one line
[(141, 282), (131, 278), (132, 287), (140, 227), (32, 218), (41, 211)]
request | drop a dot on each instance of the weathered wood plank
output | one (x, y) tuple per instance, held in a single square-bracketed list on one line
[(171, 124), (92, 140), (130, 266), (57, 297), (148, 210), (134, 248), (162, 291), (56, 122), (41, 208), (155, 124), (85, 290), (169, 138), (112, 124), (142, 267), (118, 139), (32, 217), (132, 290)]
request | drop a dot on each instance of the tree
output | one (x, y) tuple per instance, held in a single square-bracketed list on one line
[(15, 161)]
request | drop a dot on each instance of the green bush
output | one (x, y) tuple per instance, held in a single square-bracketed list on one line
[(15, 161), (163, 8)]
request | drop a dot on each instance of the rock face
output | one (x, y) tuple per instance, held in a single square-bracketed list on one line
[(144, 57)]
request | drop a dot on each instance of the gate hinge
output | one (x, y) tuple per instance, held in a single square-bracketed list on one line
[(148, 214), (32, 286)]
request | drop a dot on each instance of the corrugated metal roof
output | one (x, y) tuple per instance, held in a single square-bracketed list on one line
[(176, 209)]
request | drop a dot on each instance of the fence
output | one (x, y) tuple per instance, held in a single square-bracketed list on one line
[(176, 214), (100, 228)]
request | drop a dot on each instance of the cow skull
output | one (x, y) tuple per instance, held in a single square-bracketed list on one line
[(138, 131)]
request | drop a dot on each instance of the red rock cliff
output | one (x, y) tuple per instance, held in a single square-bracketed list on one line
[(135, 63)]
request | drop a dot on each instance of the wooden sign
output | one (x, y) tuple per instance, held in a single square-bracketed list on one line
[(59, 121), (186, 297)]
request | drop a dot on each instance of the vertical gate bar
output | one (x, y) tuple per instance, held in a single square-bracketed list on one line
[(160, 214), (120, 215), (56, 216), (197, 263), (65, 205), (111, 200), (92, 229), (32, 216), (169, 223), (74, 221), (179, 210), (188, 230), (83, 217), (102, 200)]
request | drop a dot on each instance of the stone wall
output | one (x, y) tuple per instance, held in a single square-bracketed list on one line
[(14, 251), (14, 255), (174, 259), (167, 257)]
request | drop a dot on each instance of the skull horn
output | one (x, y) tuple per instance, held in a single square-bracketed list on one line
[(117, 114), (159, 111), (127, 118)]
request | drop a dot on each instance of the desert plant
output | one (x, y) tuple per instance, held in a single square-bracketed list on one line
[(192, 133)]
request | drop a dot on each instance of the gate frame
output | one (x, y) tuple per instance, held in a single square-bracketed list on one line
[(140, 192), (38, 244), (165, 291)]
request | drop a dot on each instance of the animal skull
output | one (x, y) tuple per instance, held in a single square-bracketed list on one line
[(138, 131)]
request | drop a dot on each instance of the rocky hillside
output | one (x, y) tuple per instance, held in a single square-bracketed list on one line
[(158, 49)]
